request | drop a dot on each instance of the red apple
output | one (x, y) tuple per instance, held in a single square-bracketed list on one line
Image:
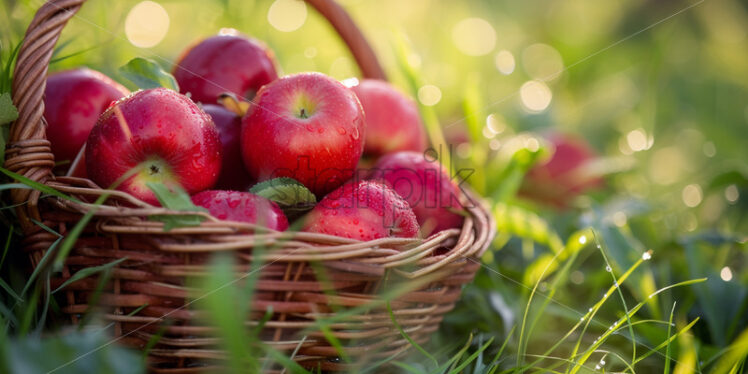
[(565, 175), (392, 119), (242, 207), (305, 126), (224, 63), (363, 210), (159, 134), (233, 175), (425, 185), (73, 101)]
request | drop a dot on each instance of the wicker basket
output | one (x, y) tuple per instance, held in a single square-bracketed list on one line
[(159, 262)]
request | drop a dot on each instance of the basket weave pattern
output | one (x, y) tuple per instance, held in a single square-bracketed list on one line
[(158, 262)]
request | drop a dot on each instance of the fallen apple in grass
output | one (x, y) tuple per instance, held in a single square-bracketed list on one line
[(425, 185), (73, 101), (138, 135), (565, 175), (242, 207), (363, 210), (304, 126), (229, 62), (392, 119)]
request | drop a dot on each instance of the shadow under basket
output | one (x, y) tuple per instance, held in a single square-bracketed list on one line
[(149, 298)]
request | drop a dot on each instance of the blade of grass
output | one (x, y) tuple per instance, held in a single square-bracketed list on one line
[(9, 290), (495, 360), (7, 245), (623, 299), (87, 272), (735, 355), (41, 265), (471, 358), (633, 311), (93, 300), (595, 308), (667, 350), (279, 357), (667, 342), (37, 186), (407, 337)]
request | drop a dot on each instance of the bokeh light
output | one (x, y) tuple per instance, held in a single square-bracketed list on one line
[(495, 123), (637, 140), (726, 274), (692, 195), (146, 24), (429, 95), (542, 61), (287, 15), (535, 96), (732, 194), (474, 36), (504, 61)]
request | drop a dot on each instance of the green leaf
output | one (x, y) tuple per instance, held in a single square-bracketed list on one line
[(175, 198), (87, 272), (8, 111), (146, 74), (37, 186), (290, 195)]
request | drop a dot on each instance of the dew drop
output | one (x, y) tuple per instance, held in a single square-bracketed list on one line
[(581, 318), (355, 133), (341, 131), (589, 310), (647, 255), (310, 128), (597, 367), (608, 269), (602, 362)]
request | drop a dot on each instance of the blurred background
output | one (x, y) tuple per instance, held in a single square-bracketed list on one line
[(659, 90)]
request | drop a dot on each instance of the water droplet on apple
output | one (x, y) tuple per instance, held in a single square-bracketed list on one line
[(355, 134), (341, 131), (310, 128)]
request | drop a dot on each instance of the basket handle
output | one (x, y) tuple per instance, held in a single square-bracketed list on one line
[(28, 151)]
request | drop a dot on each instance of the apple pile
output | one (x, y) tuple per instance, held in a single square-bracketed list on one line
[(237, 129)]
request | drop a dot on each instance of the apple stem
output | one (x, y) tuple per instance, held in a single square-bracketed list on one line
[(303, 113)]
